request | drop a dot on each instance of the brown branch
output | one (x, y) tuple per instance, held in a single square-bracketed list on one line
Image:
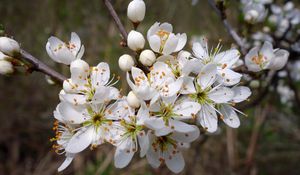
[(219, 8), (117, 20), (39, 66)]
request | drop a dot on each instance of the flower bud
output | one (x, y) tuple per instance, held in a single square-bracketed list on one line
[(135, 40), (251, 15), (136, 11), (126, 62), (9, 46), (147, 58), (6, 67), (254, 84), (132, 100)]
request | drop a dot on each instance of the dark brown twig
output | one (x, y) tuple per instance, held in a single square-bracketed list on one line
[(37, 65), (220, 10)]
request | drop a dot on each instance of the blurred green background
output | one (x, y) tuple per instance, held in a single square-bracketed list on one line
[(27, 102)]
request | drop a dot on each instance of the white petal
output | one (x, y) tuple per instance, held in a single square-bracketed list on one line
[(76, 41), (227, 58), (280, 60), (267, 50), (66, 163), (248, 60), (81, 140), (71, 113), (180, 126), (152, 155), (79, 72), (170, 45), (221, 95), (155, 123), (241, 93), (154, 42), (176, 163), (139, 76), (182, 38), (143, 114), (173, 88), (122, 158), (100, 74), (75, 99), (199, 51), (188, 86), (144, 92), (143, 142), (153, 29), (230, 117), (208, 119), (186, 137), (207, 76), (228, 77), (166, 26), (187, 109)]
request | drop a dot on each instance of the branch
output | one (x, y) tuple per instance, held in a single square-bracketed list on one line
[(220, 10), (39, 66), (116, 19)]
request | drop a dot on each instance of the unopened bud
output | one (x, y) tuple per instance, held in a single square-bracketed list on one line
[(254, 84), (6, 67), (135, 41), (9, 46), (147, 58), (126, 62), (132, 100), (136, 11)]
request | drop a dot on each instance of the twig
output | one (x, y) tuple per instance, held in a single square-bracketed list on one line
[(260, 117), (220, 10), (116, 19), (39, 66)]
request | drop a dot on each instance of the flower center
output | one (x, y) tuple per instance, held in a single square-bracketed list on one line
[(259, 60), (164, 35), (163, 142), (97, 119)]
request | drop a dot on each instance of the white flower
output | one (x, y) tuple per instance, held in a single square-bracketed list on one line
[(126, 62), (265, 57), (167, 149), (228, 112), (167, 115), (135, 40), (65, 52), (89, 85), (132, 100), (254, 12), (208, 97), (5, 66), (132, 138), (223, 60), (97, 123), (159, 82), (181, 67), (64, 132), (9, 46), (136, 11), (163, 41), (147, 58)]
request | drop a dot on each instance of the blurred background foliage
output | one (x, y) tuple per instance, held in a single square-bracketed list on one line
[(27, 102)]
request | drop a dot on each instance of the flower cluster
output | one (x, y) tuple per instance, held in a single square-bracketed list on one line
[(173, 91)]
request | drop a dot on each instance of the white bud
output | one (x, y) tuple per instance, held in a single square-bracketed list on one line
[(136, 11), (251, 15), (147, 58), (254, 84), (288, 6), (9, 46), (132, 100), (6, 67), (126, 62), (135, 40)]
